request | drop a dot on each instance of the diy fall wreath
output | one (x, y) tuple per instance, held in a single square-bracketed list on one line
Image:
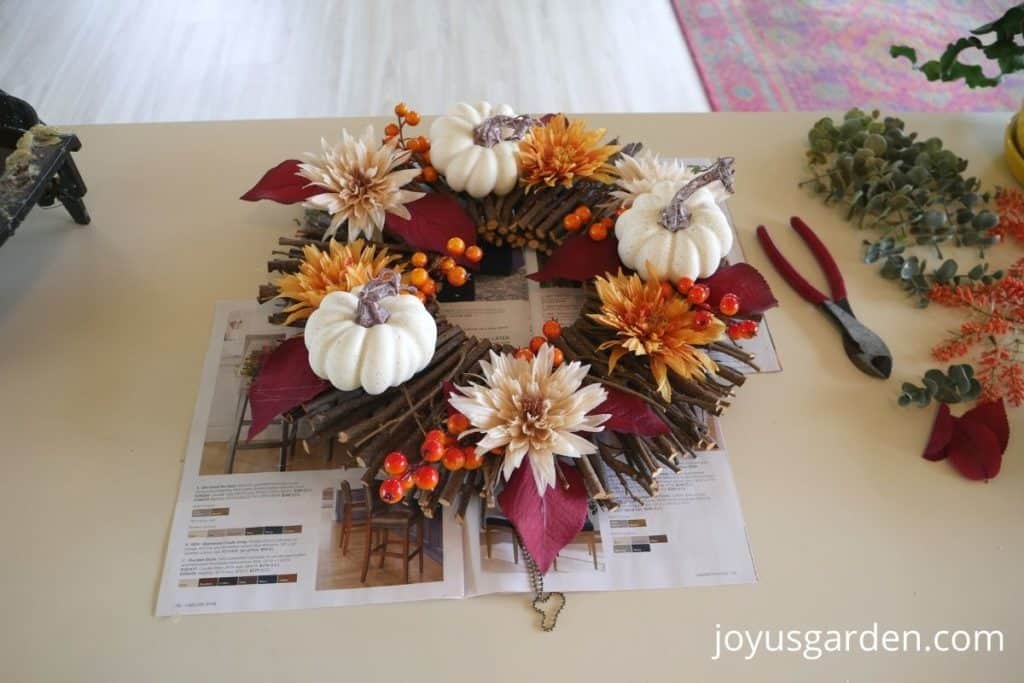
[(439, 418)]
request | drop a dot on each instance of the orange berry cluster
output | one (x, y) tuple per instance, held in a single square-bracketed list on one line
[(439, 447), (552, 331), (426, 273), (582, 217), (728, 305), (419, 145)]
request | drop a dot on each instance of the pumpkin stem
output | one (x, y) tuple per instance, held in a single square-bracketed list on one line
[(502, 128), (369, 311), (676, 215)]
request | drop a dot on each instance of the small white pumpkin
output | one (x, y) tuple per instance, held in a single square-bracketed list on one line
[(467, 165), (375, 356), (694, 251)]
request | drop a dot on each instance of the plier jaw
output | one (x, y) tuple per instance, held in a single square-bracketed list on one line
[(865, 349)]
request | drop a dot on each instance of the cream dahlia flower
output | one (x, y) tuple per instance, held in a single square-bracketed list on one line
[(530, 409), (638, 174), (361, 183)]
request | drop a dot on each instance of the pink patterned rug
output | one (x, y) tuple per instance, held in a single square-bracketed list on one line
[(764, 55)]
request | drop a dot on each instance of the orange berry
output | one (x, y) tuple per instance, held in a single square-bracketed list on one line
[(583, 211), (425, 155), (418, 277), (423, 144), (524, 354), (607, 222), (427, 478), (684, 285), (598, 231), (457, 276), (412, 117), (429, 174), (457, 423), (621, 210), (474, 458), (411, 144), (474, 253), (419, 260), (401, 109), (536, 343), (666, 289), (446, 264), (429, 287), (572, 222), (557, 357), (391, 130), (455, 246), (552, 330), (729, 304), (454, 459), (421, 296)]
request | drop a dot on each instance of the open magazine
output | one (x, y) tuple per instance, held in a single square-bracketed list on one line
[(274, 523), (264, 524)]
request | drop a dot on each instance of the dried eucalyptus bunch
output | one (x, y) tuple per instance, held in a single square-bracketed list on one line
[(913, 192)]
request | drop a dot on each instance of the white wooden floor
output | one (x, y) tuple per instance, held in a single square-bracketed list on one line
[(106, 61)]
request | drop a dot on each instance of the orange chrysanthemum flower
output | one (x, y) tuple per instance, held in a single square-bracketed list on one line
[(559, 152), (340, 269), (664, 328)]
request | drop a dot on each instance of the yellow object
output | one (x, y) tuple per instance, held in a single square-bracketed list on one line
[(1014, 157)]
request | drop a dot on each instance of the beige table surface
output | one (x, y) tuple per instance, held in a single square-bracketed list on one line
[(102, 335)]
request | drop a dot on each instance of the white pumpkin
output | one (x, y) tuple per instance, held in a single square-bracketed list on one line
[(694, 251), (467, 165), (377, 357)]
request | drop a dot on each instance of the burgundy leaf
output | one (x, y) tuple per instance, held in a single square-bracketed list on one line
[(942, 432), (284, 381), (435, 218), (630, 415), (746, 282), (549, 523), (580, 258), (974, 450), (282, 184), (992, 414)]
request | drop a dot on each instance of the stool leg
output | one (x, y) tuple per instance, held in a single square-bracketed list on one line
[(366, 555), (405, 554), (383, 548), (420, 544)]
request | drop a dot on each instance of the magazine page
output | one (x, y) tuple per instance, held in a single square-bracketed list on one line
[(691, 534), (500, 306), (263, 524)]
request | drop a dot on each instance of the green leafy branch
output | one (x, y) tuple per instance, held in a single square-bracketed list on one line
[(957, 385), (1003, 50), (912, 191)]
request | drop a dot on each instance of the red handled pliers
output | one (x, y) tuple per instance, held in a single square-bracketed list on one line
[(865, 348)]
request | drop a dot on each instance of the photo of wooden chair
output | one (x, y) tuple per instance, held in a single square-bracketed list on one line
[(497, 524), (352, 514), (381, 521)]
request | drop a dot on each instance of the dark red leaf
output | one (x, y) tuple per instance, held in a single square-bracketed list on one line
[(282, 184), (942, 432), (630, 415), (435, 218), (743, 280), (974, 450), (580, 258), (284, 381), (992, 414), (549, 523)]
